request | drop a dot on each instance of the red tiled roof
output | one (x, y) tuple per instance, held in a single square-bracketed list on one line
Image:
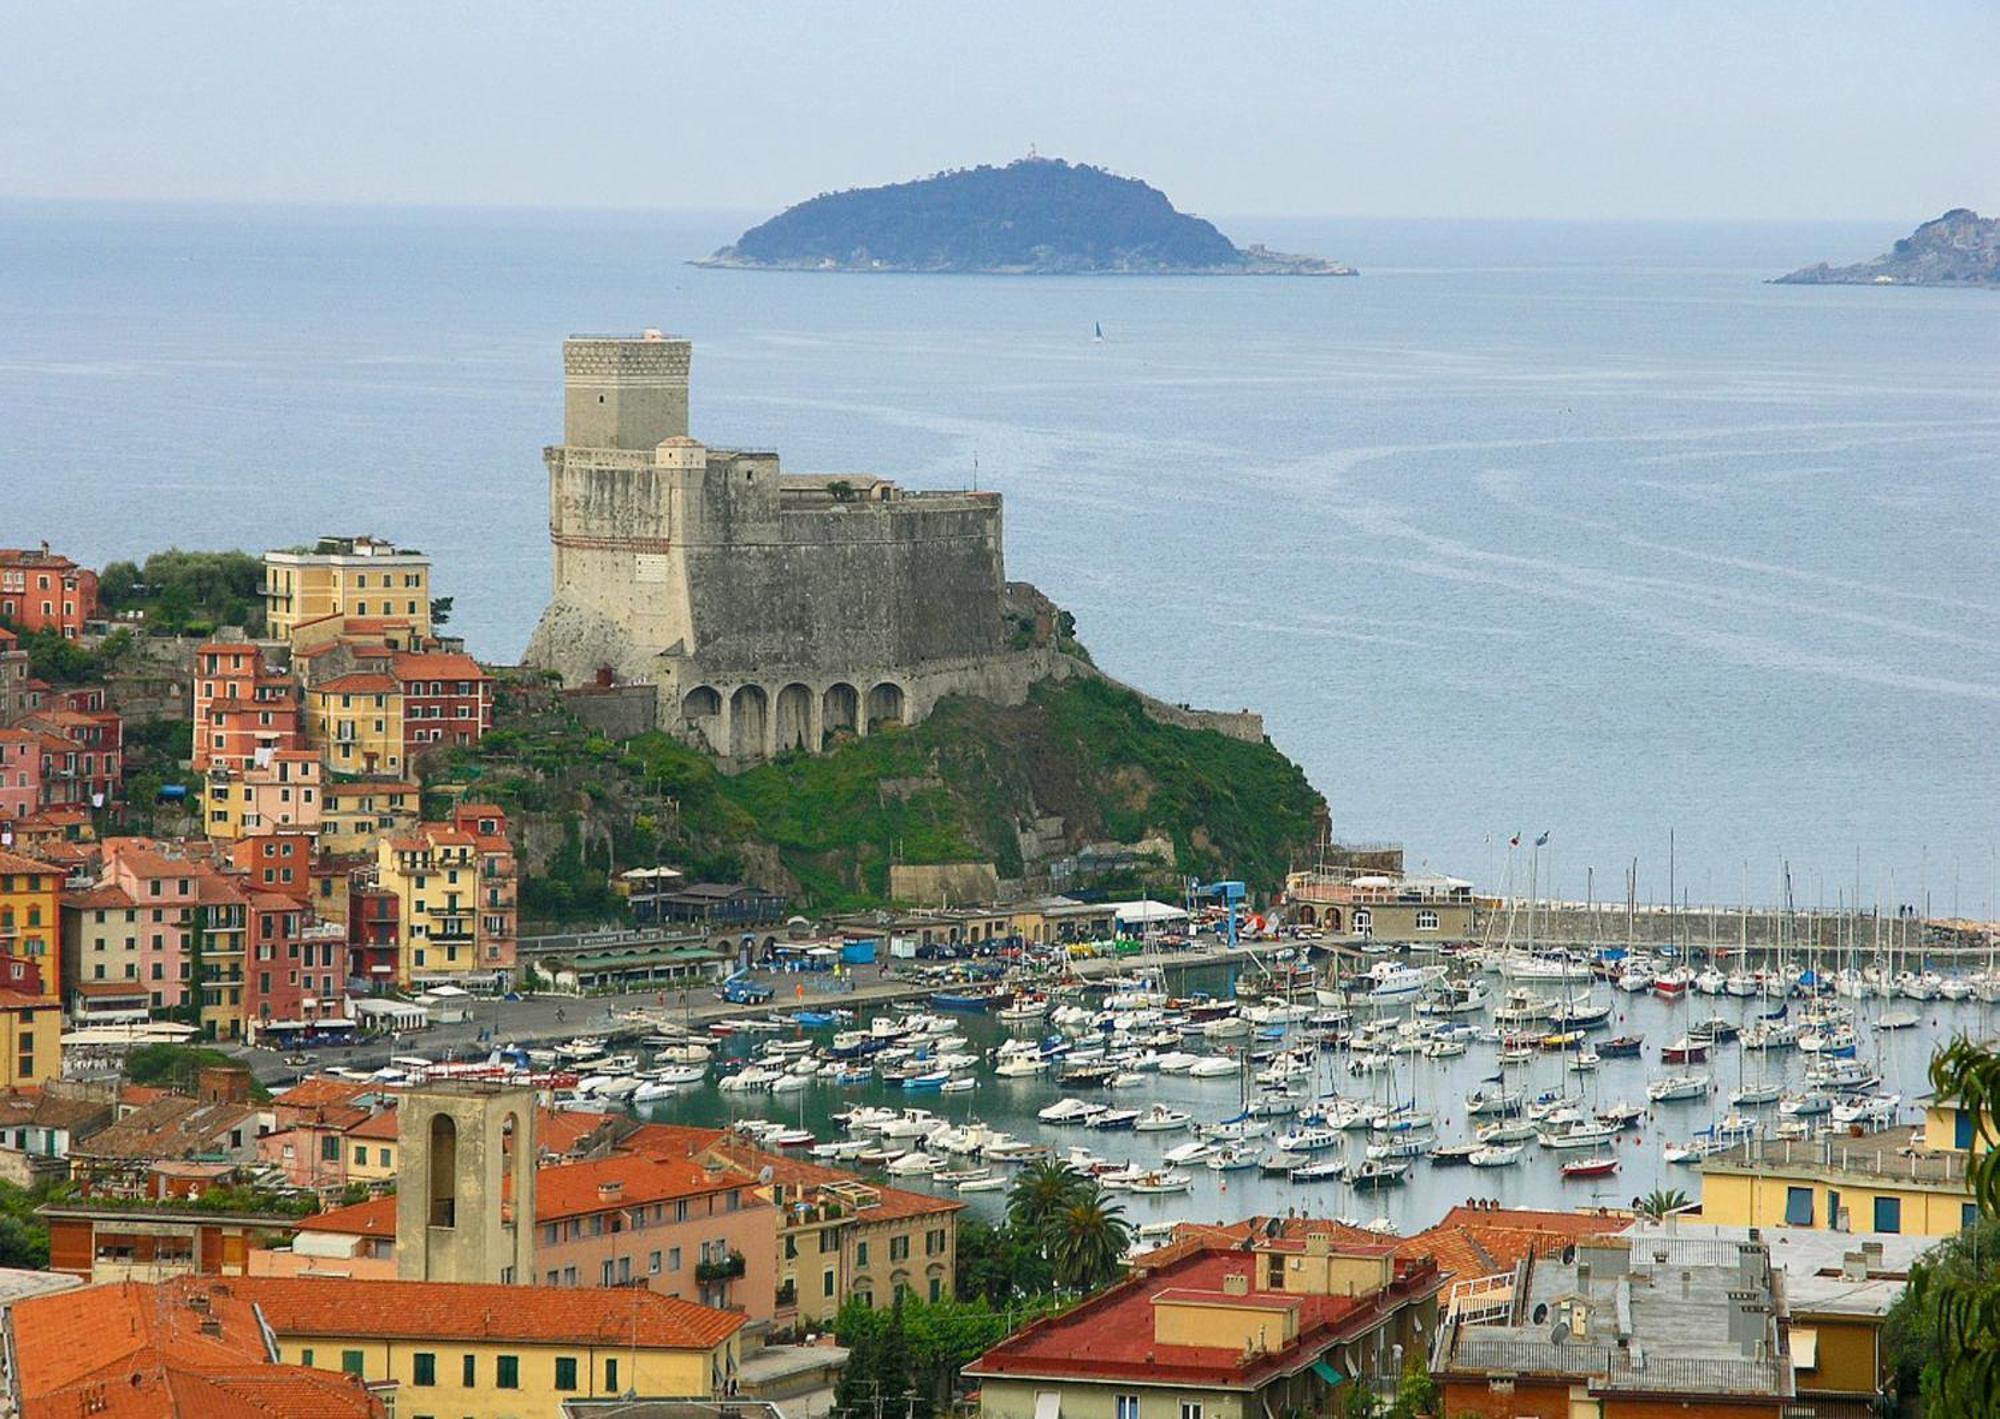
[(1111, 1335), (373, 1218), (103, 897), (436, 665), (576, 1189), (618, 1316), (14, 863), (356, 683), (319, 1091)]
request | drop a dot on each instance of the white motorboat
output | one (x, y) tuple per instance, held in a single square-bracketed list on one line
[(1495, 1155), (1672, 1087), (1161, 1119)]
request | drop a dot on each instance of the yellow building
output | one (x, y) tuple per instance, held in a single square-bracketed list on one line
[(355, 721), (223, 922), (30, 970), (354, 815), (498, 1352), (434, 875), (280, 795), (361, 577), (1871, 1183)]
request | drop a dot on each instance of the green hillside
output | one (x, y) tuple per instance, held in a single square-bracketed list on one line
[(954, 788)]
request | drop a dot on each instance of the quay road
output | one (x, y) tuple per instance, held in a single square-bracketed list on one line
[(552, 1019)]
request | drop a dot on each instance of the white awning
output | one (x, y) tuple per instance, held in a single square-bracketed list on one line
[(1805, 1348), (1125, 913), (1048, 1404)]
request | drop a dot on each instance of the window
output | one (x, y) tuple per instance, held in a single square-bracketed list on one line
[(605, 1278), (653, 1264), (1427, 920), (611, 1375), (1190, 1409), (674, 1259), (1798, 1207), (424, 1368), (565, 1372), (1127, 1407), (1968, 1214), (860, 1251), (937, 1288), (329, 1149), (350, 1362), (899, 1248), (826, 1284), (1834, 1221), (507, 1373), (306, 1358), (469, 1372), (1961, 1128), (1888, 1214)]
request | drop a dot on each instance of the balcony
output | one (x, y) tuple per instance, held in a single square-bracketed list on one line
[(729, 1268)]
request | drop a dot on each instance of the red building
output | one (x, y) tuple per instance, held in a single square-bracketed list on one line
[(82, 749), (20, 773), (241, 706), (447, 699), (373, 928), (42, 591), (276, 862)]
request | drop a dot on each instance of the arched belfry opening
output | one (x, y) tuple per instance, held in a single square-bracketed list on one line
[(469, 1152)]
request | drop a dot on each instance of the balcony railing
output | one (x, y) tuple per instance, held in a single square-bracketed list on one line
[(729, 1268)]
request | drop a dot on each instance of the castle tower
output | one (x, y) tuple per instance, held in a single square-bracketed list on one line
[(625, 391), (465, 1201)]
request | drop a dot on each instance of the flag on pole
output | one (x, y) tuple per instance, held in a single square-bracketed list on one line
[(1514, 841), (1542, 841)]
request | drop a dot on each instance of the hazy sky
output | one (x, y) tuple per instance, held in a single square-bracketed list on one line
[(1682, 109)]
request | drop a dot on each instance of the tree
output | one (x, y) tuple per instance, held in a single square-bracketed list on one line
[(1041, 1192), (1087, 1241), (1661, 1203), (1954, 1292), (440, 610), (998, 1265), (854, 1396), (895, 1369)]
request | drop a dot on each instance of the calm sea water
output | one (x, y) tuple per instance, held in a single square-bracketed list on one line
[(1539, 527)]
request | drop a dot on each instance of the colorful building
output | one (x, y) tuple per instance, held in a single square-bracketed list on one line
[(355, 721), (278, 862), (441, 878), (496, 1352), (241, 706), (359, 577), (30, 969), (1873, 1182), (277, 791), (44, 591), (447, 700), (355, 813), (100, 947), (20, 773), (1241, 1332)]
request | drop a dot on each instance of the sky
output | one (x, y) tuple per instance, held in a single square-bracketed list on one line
[(1747, 110)]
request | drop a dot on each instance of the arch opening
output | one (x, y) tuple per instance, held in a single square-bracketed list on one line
[(885, 704), (840, 709), (794, 718), (749, 708), (443, 1181), (701, 714)]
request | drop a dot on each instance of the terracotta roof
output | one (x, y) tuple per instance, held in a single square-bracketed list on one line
[(319, 1091), (134, 1351), (436, 665), (560, 1130), (895, 1203), (103, 897), (577, 1189), (373, 1218), (377, 1126), (619, 1316), (169, 1127), (1111, 1335), (14, 863)]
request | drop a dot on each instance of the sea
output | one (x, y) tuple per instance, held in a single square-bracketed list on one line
[(1578, 530)]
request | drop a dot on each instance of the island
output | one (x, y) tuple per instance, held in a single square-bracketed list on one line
[(1034, 216), (1961, 248)]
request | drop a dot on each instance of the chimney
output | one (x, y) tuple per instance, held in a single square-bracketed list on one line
[(1854, 1266), (1583, 1277), (611, 1191), (1236, 1283), (1872, 1252)]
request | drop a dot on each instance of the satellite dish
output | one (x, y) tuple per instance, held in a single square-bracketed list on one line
[(765, 1174), (1274, 1227), (1541, 1312), (1559, 1332), (1569, 1254)]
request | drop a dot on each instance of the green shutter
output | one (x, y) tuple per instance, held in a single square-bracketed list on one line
[(1328, 1373)]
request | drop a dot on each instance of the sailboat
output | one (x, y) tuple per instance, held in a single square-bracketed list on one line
[(1097, 335)]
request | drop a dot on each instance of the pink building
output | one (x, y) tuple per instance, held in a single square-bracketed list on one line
[(167, 891), (20, 772)]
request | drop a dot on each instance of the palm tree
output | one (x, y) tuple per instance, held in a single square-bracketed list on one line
[(1041, 1191), (1657, 1206), (1087, 1241)]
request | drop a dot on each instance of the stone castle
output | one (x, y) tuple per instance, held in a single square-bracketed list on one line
[(767, 610)]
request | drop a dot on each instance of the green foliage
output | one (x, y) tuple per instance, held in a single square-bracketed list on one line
[(572, 889), (178, 1067), (938, 1339), (24, 1236), (1662, 1202), (1946, 1326), (1035, 214), (440, 611), (1077, 1226), (1000, 1265), (188, 591), (62, 662), (1416, 1393)]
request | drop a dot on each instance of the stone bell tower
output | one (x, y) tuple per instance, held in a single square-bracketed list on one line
[(465, 1193)]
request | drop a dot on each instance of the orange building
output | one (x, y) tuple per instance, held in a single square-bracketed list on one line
[(240, 706), (43, 591)]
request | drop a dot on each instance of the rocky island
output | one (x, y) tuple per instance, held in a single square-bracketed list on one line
[(1035, 216), (1960, 248)]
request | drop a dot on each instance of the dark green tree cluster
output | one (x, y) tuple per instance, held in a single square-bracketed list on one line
[(911, 1354), (24, 1236), (1079, 1229), (188, 593), (61, 661), (1943, 1334), (178, 1067)]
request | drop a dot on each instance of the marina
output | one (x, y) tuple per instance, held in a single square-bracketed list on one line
[(1215, 1083)]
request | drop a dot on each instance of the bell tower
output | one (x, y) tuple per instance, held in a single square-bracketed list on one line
[(465, 1196)]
